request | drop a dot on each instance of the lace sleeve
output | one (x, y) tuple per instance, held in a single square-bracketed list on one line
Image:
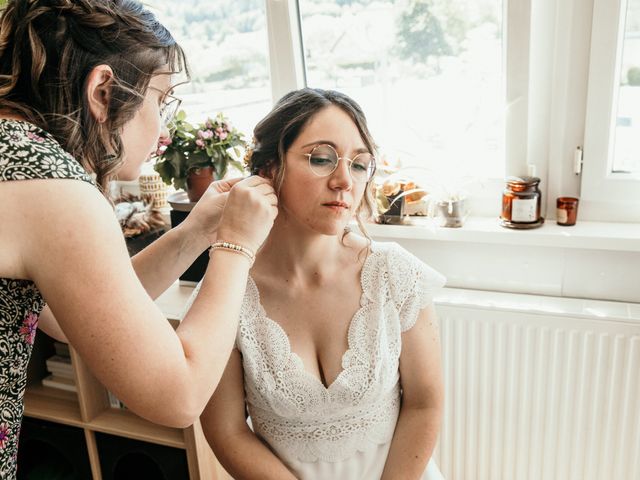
[(412, 284)]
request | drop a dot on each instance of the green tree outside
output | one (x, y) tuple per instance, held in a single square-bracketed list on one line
[(420, 33)]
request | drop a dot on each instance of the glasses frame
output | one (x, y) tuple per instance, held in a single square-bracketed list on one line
[(372, 166), (169, 109)]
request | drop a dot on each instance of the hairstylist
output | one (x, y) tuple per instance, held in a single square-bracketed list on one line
[(85, 87)]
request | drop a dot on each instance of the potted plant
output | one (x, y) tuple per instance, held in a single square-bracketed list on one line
[(194, 156)]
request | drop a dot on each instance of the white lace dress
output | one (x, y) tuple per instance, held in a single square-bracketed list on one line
[(343, 431)]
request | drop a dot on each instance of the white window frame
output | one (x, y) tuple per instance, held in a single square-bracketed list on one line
[(605, 195), (288, 73), (560, 89), (286, 58)]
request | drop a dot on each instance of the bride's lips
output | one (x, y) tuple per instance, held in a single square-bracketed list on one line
[(336, 205)]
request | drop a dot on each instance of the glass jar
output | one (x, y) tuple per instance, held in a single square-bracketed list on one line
[(521, 201), (567, 211)]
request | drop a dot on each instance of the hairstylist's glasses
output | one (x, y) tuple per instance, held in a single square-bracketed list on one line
[(323, 161), (168, 111)]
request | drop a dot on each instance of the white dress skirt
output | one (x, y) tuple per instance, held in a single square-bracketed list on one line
[(361, 465)]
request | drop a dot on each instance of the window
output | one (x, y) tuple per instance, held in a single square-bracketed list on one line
[(611, 181), (626, 131), (227, 49), (462, 88), (427, 73)]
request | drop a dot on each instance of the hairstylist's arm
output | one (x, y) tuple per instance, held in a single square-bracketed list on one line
[(73, 248), (422, 396), (162, 262), (238, 449)]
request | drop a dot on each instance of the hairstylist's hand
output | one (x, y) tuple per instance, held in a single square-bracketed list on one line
[(248, 216), (205, 215)]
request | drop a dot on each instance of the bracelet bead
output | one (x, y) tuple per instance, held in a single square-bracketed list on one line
[(233, 247)]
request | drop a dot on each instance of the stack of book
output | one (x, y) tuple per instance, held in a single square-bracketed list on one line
[(114, 402), (60, 369)]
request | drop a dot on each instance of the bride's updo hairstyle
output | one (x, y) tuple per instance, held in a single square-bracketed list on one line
[(49, 47), (276, 132)]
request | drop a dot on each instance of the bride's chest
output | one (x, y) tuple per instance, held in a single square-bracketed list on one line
[(360, 366), (316, 325)]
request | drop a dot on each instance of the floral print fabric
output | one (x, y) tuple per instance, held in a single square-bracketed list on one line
[(26, 152)]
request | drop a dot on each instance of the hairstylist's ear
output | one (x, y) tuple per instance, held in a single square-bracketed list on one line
[(99, 82)]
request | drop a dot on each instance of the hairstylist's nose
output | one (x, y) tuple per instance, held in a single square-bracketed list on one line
[(341, 179)]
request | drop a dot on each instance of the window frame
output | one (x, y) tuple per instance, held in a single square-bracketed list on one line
[(606, 195), (559, 78), (286, 53)]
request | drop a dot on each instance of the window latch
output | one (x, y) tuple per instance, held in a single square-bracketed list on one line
[(577, 160)]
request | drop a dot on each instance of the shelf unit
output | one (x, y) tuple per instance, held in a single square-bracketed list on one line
[(89, 408)]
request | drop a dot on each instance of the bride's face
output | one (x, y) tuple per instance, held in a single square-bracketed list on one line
[(316, 197)]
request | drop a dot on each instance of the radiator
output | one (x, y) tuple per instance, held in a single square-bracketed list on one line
[(539, 393)]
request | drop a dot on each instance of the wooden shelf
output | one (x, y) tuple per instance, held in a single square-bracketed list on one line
[(126, 424), (52, 404), (89, 410)]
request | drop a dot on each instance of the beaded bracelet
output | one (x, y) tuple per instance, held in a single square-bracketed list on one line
[(233, 247)]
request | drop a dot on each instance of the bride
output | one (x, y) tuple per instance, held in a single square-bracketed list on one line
[(337, 356)]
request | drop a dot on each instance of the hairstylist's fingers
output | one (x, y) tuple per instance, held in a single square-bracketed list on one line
[(222, 186), (255, 180), (249, 213), (264, 188), (273, 199)]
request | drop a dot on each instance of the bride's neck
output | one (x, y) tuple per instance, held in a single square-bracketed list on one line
[(293, 251)]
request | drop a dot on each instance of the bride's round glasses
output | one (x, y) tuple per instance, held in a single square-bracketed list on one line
[(323, 161)]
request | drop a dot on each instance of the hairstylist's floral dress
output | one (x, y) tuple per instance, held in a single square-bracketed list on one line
[(26, 153)]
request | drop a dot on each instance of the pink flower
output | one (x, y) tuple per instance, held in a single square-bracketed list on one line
[(208, 124), (222, 134), (163, 142), (4, 434), (200, 143), (205, 134), (29, 327)]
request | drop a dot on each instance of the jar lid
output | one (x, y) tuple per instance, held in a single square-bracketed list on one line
[(524, 181)]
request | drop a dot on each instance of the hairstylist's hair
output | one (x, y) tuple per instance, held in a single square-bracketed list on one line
[(49, 47), (275, 133)]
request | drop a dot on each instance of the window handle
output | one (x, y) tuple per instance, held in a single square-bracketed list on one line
[(577, 160)]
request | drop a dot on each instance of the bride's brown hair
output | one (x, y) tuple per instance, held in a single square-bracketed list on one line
[(49, 47)]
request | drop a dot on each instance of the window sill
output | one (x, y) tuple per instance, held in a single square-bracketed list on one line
[(584, 235), (625, 312)]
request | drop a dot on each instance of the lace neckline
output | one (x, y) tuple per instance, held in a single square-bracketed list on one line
[(294, 360)]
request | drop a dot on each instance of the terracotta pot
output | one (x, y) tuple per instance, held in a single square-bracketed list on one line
[(198, 180)]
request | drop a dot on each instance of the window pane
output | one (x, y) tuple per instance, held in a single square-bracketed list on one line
[(428, 74), (626, 150), (227, 51)]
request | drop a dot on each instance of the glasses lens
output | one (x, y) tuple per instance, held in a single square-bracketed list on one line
[(323, 160), (168, 112), (362, 167)]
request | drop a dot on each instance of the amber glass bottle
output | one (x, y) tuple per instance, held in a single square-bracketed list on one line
[(521, 202)]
